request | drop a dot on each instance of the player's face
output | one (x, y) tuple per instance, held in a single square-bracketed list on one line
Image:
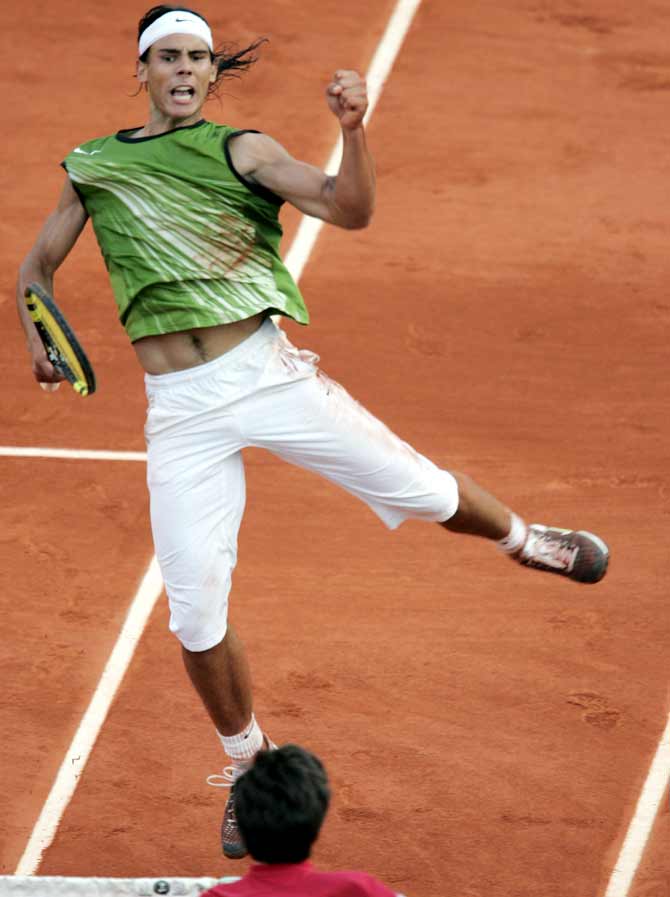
[(178, 73)]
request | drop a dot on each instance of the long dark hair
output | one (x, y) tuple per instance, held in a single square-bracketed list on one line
[(230, 62)]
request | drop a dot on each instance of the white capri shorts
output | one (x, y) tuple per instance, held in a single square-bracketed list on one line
[(264, 393)]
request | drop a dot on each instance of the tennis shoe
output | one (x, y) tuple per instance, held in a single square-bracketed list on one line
[(232, 845), (577, 554)]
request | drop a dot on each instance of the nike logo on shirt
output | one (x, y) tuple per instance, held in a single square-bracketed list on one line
[(78, 149)]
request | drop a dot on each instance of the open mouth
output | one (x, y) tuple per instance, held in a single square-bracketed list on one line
[(183, 94)]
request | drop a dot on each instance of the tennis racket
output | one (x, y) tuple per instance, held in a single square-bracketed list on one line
[(62, 346)]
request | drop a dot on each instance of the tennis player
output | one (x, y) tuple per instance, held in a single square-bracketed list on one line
[(186, 215)]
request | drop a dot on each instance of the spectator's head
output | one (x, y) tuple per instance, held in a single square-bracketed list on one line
[(280, 804)]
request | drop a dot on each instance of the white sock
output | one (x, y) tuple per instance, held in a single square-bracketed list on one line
[(246, 745), (516, 538)]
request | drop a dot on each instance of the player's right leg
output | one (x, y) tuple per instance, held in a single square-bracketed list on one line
[(197, 487)]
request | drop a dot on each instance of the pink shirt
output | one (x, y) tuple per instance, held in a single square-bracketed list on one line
[(300, 880)]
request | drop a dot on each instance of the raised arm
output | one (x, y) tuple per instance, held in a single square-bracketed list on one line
[(55, 240), (346, 199)]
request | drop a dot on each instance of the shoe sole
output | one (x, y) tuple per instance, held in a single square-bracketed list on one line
[(596, 560), (231, 854), (230, 850)]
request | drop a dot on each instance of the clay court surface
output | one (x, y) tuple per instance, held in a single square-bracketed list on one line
[(487, 729)]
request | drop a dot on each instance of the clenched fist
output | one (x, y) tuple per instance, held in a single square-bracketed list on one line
[(347, 98)]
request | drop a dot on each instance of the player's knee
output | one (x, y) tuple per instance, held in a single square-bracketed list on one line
[(461, 478), (199, 638), (198, 584), (197, 634), (199, 616), (464, 488)]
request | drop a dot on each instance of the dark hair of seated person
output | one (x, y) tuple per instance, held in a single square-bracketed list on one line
[(280, 804)]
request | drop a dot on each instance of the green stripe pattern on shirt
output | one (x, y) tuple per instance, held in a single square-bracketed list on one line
[(186, 242)]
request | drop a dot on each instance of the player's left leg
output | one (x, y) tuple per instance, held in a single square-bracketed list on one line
[(579, 555), (323, 429), (478, 513)]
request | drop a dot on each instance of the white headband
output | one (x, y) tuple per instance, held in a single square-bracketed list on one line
[(176, 22)]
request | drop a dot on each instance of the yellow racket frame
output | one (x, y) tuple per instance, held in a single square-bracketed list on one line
[(59, 340)]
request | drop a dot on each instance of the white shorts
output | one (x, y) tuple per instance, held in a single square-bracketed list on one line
[(263, 393)]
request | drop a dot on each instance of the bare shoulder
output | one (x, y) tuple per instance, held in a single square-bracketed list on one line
[(250, 151)]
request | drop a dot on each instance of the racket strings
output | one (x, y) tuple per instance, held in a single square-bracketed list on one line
[(60, 343)]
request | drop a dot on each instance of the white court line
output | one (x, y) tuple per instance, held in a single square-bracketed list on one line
[(380, 68), (17, 451), (91, 723), (143, 603), (643, 820)]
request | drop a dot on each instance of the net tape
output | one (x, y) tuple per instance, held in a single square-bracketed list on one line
[(59, 886)]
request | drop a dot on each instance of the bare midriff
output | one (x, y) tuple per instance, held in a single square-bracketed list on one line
[(170, 352)]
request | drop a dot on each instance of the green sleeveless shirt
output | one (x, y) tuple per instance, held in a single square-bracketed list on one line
[(187, 242)]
